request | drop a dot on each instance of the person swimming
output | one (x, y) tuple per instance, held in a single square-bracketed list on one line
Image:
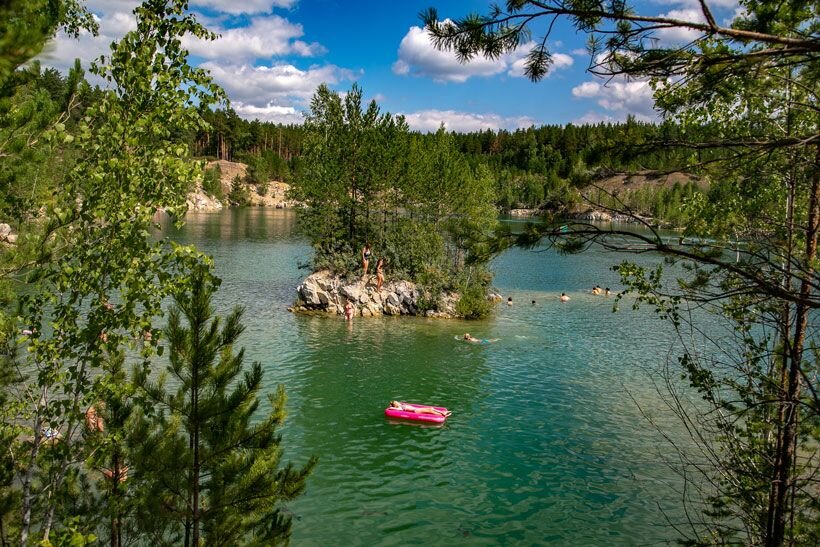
[(564, 297), (418, 409), (470, 338)]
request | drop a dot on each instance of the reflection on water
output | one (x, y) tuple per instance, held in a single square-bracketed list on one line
[(544, 444)]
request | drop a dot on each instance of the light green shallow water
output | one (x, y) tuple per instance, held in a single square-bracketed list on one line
[(545, 444)]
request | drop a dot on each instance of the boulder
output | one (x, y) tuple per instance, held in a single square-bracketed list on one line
[(329, 292)]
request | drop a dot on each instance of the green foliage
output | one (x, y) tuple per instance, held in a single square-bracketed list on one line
[(212, 181), (741, 103), (239, 192), (221, 463), (26, 25), (95, 278), (365, 177), (474, 303)]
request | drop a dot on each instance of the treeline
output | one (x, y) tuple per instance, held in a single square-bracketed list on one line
[(537, 167)]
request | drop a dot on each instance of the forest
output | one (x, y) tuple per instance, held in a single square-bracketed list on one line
[(534, 168), (111, 355)]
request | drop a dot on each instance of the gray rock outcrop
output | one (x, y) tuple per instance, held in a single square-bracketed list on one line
[(324, 291)]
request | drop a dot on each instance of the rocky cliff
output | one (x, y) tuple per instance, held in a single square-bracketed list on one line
[(274, 196), (327, 292)]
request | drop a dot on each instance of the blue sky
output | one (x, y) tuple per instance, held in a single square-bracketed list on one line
[(272, 54)]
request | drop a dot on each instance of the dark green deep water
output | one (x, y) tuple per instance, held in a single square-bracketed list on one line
[(545, 445)]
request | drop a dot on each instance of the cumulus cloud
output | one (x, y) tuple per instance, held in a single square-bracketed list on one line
[(682, 35), (265, 37), (418, 57), (430, 120), (61, 52), (620, 98), (559, 60), (713, 4), (281, 84), (591, 118), (245, 6), (269, 113)]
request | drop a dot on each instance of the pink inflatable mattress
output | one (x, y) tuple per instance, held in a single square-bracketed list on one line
[(410, 415)]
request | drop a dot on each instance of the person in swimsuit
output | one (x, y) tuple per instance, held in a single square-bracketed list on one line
[(366, 257), (379, 274), (564, 297), (348, 311), (470, 338), (418, 409)]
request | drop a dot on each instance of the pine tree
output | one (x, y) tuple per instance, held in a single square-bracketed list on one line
[(220, 480)]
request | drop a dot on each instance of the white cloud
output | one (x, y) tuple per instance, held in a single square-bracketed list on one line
[(713, 4), (111, 6), (580, 52), (678, 34), (620, 97), (430, 120), (281, 85), (418, 57), (61, 52), (559, 60), (269, 113), (592, 117), (235, 7), (265, 37)]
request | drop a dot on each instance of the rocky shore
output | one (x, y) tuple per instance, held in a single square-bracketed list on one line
[(275, 192), (326, 292)]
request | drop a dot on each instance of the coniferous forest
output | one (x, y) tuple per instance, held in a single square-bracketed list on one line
[(129, 414)]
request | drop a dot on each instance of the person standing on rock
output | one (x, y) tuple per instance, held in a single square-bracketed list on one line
[(366, 256), (379, 274)]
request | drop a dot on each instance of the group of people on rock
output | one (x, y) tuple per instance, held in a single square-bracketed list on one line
[(366, 254)]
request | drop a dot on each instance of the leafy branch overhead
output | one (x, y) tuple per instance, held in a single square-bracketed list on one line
[(625, 37)]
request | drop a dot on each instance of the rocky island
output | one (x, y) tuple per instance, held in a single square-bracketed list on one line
[(327, 292)]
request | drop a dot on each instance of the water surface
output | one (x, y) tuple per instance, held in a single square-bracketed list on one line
[(545, 444)]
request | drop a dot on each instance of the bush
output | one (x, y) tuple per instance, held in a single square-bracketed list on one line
[(474, 303), (212, 182), (239, 192)]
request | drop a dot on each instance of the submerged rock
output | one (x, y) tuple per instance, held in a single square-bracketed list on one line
[(325, 291)]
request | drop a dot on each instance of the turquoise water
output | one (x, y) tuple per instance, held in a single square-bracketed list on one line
[(546, 443)]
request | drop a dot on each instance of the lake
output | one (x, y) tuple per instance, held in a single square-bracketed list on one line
[(546, 444)]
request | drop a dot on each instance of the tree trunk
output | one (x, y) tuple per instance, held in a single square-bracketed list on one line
[(783, 475), (195, 471), (116, 534), (28, 497)]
